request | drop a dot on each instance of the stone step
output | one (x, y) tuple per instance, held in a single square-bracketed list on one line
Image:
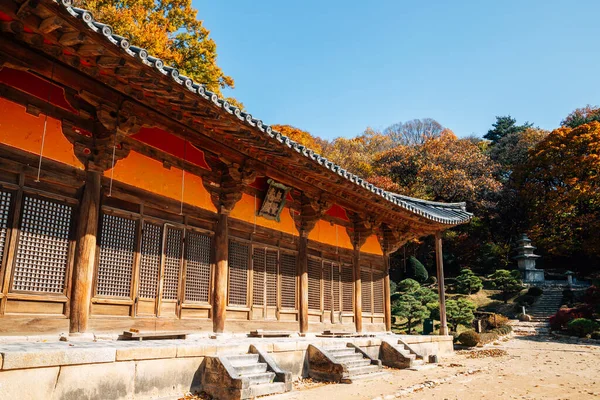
[(348, 357), (406, 353), (372, 375), (363, 362), (251, 368), (260, 378), (356, 371), (243, 359), (266, 389), (341, 352)]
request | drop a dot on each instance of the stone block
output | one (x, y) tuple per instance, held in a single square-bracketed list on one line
[(292, 361), (196, 350), (112, 381), (146, 353), (28, 384), (232, 349), (362, 342), (284, 346), (303, 345), (27, 357), (167, 377)]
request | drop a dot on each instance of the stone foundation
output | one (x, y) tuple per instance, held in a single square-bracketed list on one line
[(149, 369)]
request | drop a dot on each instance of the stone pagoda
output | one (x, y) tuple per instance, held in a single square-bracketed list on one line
[(526, 261)]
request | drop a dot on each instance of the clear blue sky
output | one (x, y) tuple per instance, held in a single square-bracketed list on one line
[(335, 67)]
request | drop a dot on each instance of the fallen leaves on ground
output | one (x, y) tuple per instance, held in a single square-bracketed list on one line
[(308, 383), (196, 396), (482, 353)]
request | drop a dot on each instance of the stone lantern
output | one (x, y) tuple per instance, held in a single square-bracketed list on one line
[(526, 261)]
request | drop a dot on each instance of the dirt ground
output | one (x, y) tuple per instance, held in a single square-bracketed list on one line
[(531, 367)]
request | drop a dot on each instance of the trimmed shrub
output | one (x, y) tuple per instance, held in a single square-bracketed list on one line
[(503, 330), (535, 291), (565, 315), (582, 326), (416, 270), (468, 283), (592, 295), (469, 338), (527, 300), (596, 335), (488, 337), (496, 321)]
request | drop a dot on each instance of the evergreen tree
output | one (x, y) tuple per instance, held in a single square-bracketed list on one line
[(468, 283), (505, 126), (416, 270)]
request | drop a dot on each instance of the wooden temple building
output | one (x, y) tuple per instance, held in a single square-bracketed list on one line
[(133, 197)]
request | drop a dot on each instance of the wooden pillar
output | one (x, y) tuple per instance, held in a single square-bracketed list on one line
[(303, 281), (85, 253), (440, 277), (386, 294), (221, 273), (357, 291)]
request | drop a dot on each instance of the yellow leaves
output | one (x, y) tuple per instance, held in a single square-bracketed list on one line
[(169, 30)]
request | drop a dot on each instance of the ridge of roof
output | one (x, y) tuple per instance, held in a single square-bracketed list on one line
[(445, 213)]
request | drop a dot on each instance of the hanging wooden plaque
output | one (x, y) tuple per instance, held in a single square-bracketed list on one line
[(274, 201)]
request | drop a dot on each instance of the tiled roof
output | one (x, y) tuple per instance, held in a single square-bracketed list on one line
[(444, 213)]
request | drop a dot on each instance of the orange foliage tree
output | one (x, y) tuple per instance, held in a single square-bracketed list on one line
[(300, 136), (169, 30), (560, 185), (443, 168)]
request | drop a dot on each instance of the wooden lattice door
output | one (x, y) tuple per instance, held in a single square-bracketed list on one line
[(265, 265), (170, 279)]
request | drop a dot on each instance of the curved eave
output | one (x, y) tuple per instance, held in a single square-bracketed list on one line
[(442, 213)]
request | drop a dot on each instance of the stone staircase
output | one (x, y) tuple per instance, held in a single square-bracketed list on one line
[(244, 376), (342, 364), (397, 354), (547, 305)]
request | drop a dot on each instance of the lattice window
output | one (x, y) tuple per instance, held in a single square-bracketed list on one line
[(238, 273), (271, 278), (314, 284), (43, 246), (378, 293), (366, 290), (335, 283), (258, 278), (287, 269), (347, 289), (173, 252), (151, 252), (117, 246), (197, 273), (5, 201), (327, 287)]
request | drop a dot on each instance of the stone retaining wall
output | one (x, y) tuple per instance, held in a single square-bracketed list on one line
[(141, 370)]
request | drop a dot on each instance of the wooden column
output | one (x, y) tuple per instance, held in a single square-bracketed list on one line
[(221, 273), (357, 291), (440, 277), (303, 280), (85, 253), (386, 294)]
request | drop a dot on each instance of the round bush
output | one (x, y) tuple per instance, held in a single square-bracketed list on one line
[(596, 335), (582, 326), (497, 320), (535, 291), (469, 338), (416, 270)]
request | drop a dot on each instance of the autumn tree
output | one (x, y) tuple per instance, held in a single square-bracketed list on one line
[(512, 150), (582, 116), (300, 136), (560, 187), (504, 126), (414, 132), (444, 168), (357, 154), (170, 31)]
